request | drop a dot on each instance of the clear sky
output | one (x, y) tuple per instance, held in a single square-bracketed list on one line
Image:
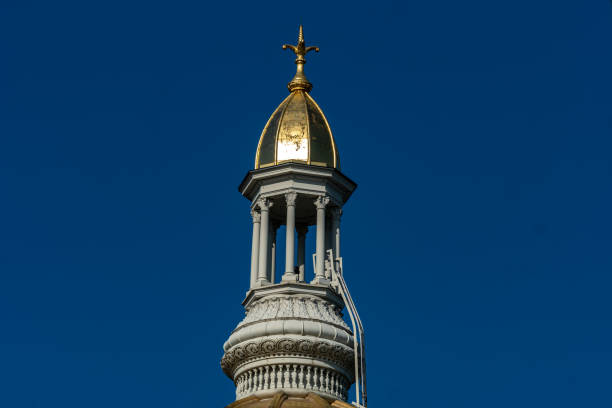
[(477, 245)]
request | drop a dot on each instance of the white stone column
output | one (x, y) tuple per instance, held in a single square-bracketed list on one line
[(301, 252), (321, 202), (255, 246), (290, 275), (328, 244), (328, 239), (264, 205), (272, 262), (336, 214)]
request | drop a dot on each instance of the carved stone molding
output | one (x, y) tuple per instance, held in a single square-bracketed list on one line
[(305, 347), (290, 198), (264, 204), (293, 339), (321, 202), (303, 307)]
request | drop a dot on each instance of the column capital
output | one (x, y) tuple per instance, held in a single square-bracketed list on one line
[(264, 203), (290, 198), (256, 216), (336, 212), (321, 202)]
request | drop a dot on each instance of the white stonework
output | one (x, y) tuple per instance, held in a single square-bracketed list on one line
[(306, 307), (298, 378), (293, 337), (299, 178), (291, 330)]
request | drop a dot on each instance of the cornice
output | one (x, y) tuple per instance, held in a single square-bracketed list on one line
[(293, 288), (254, 178)]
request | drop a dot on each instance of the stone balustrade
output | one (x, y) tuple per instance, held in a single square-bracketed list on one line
[(292, 377)]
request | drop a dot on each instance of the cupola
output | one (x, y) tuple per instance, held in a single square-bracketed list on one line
[(294, 348), (297, 131)]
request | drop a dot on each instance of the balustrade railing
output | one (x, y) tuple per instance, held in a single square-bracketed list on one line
[(292, 376)]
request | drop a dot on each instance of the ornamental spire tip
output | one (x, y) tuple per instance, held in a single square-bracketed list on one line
[(299, 81)]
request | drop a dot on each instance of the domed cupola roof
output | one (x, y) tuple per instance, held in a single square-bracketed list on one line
[(298, 131)]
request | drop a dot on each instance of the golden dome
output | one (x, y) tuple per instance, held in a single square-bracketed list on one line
[(282, 400), (297, 131)]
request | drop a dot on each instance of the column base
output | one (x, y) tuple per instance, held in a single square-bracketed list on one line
[(261, 283), (320, 280), (290, 277)]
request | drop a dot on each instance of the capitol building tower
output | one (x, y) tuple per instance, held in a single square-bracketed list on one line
[(294, 349)]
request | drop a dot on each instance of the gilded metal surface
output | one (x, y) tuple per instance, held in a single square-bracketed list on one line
[(292, 140), (323, 141), (299, 81), (297, 130), (266, 149)]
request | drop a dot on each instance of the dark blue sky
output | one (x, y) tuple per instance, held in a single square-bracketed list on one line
[(477, 246)]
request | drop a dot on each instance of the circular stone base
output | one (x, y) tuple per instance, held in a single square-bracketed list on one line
[(282, 400)]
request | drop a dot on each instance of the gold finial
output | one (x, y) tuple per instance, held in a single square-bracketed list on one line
[(299, 81)]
